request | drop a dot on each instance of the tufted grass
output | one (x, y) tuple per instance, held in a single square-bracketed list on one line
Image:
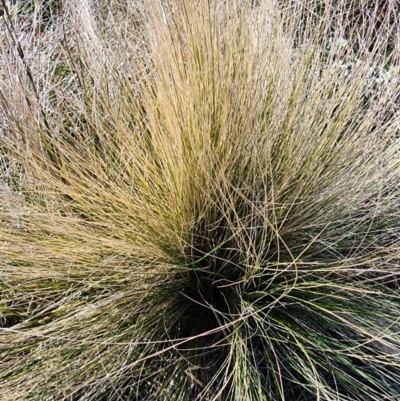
[(200, 201)]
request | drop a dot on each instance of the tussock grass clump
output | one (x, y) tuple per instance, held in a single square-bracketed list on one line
[(200, 201)]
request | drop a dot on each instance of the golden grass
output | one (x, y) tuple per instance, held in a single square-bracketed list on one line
[(200, 202)]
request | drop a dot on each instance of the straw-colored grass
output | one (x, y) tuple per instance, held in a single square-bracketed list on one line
[(200, 201)]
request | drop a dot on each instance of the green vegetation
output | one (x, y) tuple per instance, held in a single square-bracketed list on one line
[(200, 201)]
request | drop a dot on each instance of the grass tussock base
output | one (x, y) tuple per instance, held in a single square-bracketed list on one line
[(200, 201)]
